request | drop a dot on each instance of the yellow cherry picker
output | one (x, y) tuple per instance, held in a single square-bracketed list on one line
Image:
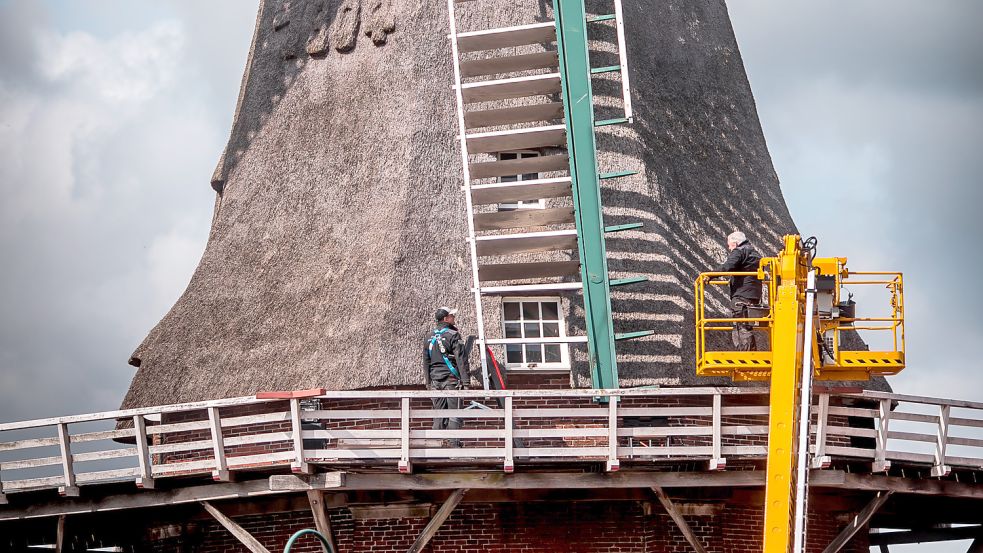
[(809, 327)]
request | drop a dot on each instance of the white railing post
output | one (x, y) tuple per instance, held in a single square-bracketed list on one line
[(65, 443), (820, 460), (613, 464), (941, 438), (221, 471), (299, 464), (145, 480), (881, 464), (509, 436), (3, 497), (404, 436), (717, 461)]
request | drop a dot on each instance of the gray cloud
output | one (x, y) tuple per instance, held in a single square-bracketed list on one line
[(108, 135)]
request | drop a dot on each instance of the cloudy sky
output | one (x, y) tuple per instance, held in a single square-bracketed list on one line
[(113, 114)]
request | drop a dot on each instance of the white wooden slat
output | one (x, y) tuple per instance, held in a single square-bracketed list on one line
[(759, 450), (180, 447), (644, 433), (343, 434), (511, 167), (664, 451), (745, 430), (505, 37), (30, 463), (850, 451), (744, 410), (170, 428), (507, 89), (717, 460), (103, 435), (820, 460), (103, 476), (33, 483), (563, 412), (914, 417), (229, 422), (517, 139), (911, 457), (852, 412), (513, 115), (523, 190), (834, 430), (105, 454), (539, 340), (521, 271), (333, 414), (531, 289), (911, 436), (509, 64), (968, 462), (619, 21), (458, 413), (925, 400), (523, 218), (529, 242), (562, 432), (969, 442), (612, 463), (27, 444), (667, 412), (954, 421)]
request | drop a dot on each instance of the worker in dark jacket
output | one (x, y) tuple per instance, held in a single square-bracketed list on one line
[(745, 291), (445, 367)]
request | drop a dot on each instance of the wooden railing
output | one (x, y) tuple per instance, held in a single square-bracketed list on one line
[(499, 428)]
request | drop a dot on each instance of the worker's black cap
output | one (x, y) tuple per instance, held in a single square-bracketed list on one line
[(443, 312)]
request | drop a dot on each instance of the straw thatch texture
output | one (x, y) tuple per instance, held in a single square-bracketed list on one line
[(339, 223)]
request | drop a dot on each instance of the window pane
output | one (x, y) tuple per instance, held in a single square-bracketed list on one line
[(552, 352), (530, 176), (551, 311), (508, 178), (513, 353), (551, 330), (513, 330), (531, 330), (534, 354), (511, 311), (530, 310), (507, 155)]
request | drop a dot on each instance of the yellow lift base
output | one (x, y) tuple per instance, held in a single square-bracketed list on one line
[(780, 324)]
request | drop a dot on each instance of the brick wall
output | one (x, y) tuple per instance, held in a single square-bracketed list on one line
[(585, 527)]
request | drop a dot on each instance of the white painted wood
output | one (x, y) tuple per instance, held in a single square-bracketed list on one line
[(467, 167), (538, 164), (31, 463), (521, 271), (517, 139), (881, 464), (34, 483), (941, 438), (504, 37), (541, 340), (514, 87), (104, 435), (613, 464), (68, 471), (523, 190), (529, 242), (509, 462), (651, 432), (509, 64), (520, 289), (229, 422), (404, 436), (299, 465), (820, 459), (244, 537), (104, 454), (104, 476), (853, 412), (144, 478), (220, 472), (919, 399), (623, 59), (717, 461), (513, 115), (26, 444), (523, 218), (177, 427)]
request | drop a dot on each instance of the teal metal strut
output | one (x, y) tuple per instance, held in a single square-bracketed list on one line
[(300, 533), (575, 72)]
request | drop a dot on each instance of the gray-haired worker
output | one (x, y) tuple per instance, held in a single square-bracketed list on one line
[(745, 291)]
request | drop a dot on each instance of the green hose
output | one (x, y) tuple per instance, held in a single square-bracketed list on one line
[(305, 531)]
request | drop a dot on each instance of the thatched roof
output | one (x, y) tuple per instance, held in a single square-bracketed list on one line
[(339, 222)]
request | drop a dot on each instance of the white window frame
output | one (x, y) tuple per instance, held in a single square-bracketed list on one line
[(564, 364), (523, 204)]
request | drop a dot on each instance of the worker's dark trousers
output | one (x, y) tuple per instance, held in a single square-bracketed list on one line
[(452, 423), (743, 333)]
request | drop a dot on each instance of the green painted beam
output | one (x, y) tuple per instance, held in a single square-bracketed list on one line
[(629, 280), (578, 103), (626, 226), (617, 174), (606, 122), (608, 69), (632, 335), (606, 17)]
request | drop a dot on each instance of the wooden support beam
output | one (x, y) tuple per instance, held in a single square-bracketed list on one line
[(60, 535), (145, 479), (221, 471), (677, 517), (322, 523), (299, 464), (858, 522), (68, 470), (438, 519), (240, 533), (925, 535)]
